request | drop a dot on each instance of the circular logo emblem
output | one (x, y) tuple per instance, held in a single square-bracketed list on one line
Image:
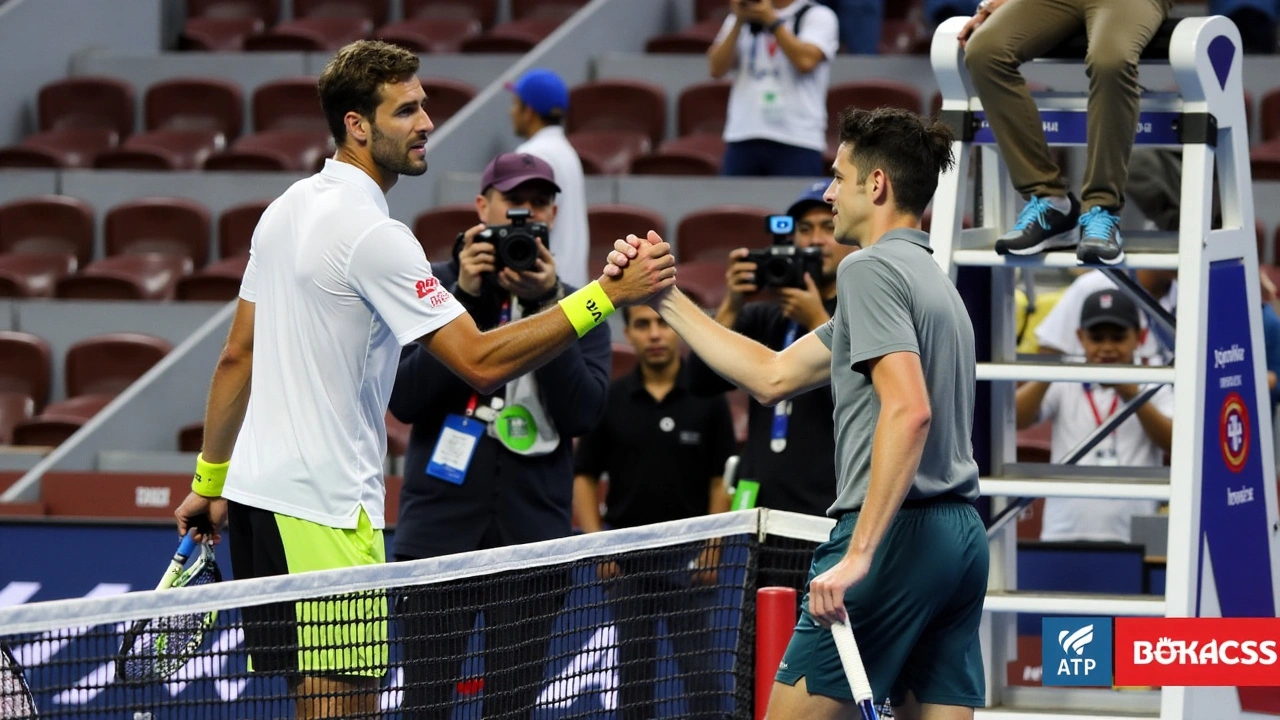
[(667, 424), (1233, 432)]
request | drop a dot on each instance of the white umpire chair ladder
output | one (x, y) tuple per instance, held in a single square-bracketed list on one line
[(1205, 117)]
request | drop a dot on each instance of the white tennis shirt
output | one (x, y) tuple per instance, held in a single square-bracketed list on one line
[(338, 288)]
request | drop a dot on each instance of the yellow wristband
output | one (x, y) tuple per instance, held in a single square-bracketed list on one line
[(587, 308), (209, 477)]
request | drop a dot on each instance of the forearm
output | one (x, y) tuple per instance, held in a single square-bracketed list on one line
[(803, 56), (586, 504), (720, 56), (739, 359), (895, 456), (228, 401), (1028, 400), (505, 353), (720, 500)]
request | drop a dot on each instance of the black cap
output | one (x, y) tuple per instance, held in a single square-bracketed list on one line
[(1111, 307)]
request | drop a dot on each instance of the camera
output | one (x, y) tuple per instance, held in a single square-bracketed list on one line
[(782, 264), (516, 245)]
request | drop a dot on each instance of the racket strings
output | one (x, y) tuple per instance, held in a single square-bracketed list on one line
[(15, 698), (161, 647)]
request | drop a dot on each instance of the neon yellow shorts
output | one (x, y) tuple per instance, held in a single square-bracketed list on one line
[(339, 635)]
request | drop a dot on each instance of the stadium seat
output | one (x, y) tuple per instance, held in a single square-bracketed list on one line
[(903, 36), (702, 108), (65, 148), (136, 276), (46, 430), (608, 152), (47, 223), (163, 150), (80, 406), (107, 364), (196, 103), (14, 408), (710, 11), (438, 228), (630, 105), (288, 104), (675, 162), (557, 9), (486, 11), (607, 223), (1035, 443), (33, 274), (711, 233), (624, 360), (703, 281), (1264, 161), (266, 10), (311, 34), (430, 35), (517, 36), (81, 102), (236, 225), (688, 42), (191, 437), (374, 10), (1270, 114), (218, 34), (26, 366), (177, 226), (219, 282), (445, 98), (274, 151), (867, 95)]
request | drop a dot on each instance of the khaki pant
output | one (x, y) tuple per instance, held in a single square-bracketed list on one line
[(1021, 30)]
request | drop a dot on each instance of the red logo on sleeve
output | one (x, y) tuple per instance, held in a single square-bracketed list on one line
[(426, 287)]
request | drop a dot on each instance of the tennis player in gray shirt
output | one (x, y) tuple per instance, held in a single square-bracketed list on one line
[(906, 563)]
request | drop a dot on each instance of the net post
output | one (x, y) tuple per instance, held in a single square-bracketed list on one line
[(775, 620)]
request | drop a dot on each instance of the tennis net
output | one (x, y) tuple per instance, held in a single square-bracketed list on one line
[(650, 622)]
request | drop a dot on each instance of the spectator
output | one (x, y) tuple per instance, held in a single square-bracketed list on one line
[(537, 111), (1006, 33), (1109, 329), (777, 117), (517, 486), (664, 450), (793, 460), (1059, 334)]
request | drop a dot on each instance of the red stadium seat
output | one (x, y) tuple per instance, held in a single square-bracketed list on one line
[(608, 223), (196, 103), (486, 11), (47, 224), (137, 276), (288, 104), (373, 10), (218, 34), (163, 150), (867, 95), (445, 98), (33, 274), (711, 233), (710, 10), (220, 282), (64, 148), (608, 152), (680, 43), (675, 162), (274, 150), (107, 364), (517, 36), (702, 107), (430, 35), (266, 10), (628, 105), (83, 102), (703, 281), (438, 229), (191, 437), (177, 226), (14, 408), (26, 366), (236, 225), (311, 34), (557, 9)]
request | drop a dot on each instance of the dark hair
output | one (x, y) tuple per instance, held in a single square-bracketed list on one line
[(911, 150), (353, 80), (555, 117)]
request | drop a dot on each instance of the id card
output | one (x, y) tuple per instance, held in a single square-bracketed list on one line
[(455, 448)]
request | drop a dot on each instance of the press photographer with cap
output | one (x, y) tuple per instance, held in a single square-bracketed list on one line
[(539, 106), (790, 450), (516, 485)]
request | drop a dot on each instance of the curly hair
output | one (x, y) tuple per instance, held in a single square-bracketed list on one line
[(911, 150), (353, 80)]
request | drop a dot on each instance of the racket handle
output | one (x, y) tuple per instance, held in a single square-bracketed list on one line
[(185, 548), (851, 659)]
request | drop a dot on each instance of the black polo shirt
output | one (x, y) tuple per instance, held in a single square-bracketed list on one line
[(801, 478), (660, 456)]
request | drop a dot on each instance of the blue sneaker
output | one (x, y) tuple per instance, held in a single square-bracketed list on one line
[(1100, 241), (1041, 227)]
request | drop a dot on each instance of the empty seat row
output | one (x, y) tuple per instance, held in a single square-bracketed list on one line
[(95, 371), (191, 123), (326, 25), (156, 249)]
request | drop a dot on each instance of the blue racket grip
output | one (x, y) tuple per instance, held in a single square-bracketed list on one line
[(185, 548)]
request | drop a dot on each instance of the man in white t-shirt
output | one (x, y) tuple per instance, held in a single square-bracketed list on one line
[(537, 111), (1109, 327), (294, 434), (1058, 333), (777, 118)]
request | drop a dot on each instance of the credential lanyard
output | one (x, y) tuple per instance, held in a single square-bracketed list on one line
[(782, 411)]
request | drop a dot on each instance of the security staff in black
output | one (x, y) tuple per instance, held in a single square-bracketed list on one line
[(515, 483), (789, 450), (664, 450)]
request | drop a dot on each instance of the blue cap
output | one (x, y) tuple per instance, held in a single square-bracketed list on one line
[(542, 90), (809, 199)]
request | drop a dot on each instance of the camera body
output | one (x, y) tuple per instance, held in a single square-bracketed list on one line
[(515, 245), (782, 264)]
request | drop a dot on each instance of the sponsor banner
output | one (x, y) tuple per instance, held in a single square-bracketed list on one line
[(1076, 651), (1233, 652)]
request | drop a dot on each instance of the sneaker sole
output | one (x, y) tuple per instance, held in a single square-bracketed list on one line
[(1090, 258), (1060, 241)]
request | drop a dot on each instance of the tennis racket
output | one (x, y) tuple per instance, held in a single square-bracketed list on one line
[(854, 671), (155, 649), (15, 697)]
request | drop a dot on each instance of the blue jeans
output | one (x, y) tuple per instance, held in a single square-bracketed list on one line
[(765, 158)]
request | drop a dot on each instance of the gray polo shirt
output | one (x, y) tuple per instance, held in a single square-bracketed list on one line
[(892, 298)]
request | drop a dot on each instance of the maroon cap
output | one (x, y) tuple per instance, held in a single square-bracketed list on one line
[(509, 170)]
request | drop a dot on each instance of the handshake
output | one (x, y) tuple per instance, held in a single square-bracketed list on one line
[(639, 270)]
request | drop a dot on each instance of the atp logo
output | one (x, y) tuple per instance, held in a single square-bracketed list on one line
[(1077, 651), (1233, 432)]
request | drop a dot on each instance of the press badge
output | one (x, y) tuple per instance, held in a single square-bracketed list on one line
[(455, 448)]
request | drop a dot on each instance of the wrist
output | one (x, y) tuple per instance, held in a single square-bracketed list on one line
[(773, 25), (588, 307), (209, 477)]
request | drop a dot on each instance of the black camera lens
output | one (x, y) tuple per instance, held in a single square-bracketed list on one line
[(520, 251), (777, 271)]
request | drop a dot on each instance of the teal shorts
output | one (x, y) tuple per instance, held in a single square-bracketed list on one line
[(915, 616)]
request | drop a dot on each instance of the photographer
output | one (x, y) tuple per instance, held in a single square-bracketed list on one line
[(516, 486), (790, 449)]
